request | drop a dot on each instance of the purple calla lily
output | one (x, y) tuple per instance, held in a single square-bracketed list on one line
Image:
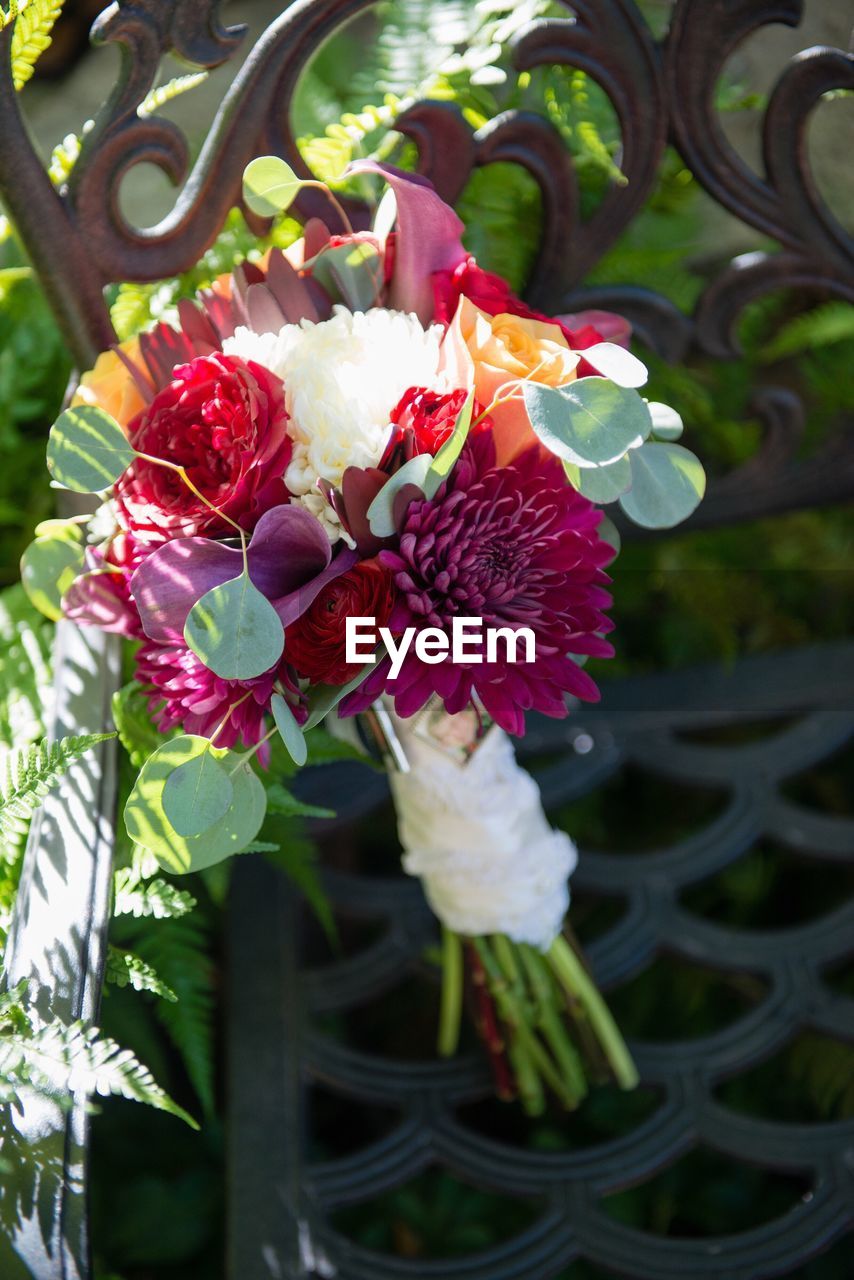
[(289, 558), (428, 237)]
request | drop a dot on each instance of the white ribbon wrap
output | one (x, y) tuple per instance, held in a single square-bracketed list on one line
[(475, 832)]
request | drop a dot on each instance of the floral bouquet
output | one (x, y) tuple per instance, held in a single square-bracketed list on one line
[(360, 478)]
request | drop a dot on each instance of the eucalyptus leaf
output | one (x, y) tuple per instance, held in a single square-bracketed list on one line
[(617, 364), (270, 186), (590, 422), (381, 510), (235, 630), (291, 734), (147, 823), (601, 484), (666, 422), (87, 450), (442, 464), (49, 566), (323, 698), (197, 794), (668, 483)]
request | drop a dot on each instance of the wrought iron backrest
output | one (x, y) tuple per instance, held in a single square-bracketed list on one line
[(79, 241)]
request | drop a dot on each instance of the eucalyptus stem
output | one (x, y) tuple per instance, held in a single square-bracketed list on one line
[(333, 200), (182, 472), (577, 984), (450, 1016)]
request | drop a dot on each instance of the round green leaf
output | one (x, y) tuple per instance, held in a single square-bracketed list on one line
[(292, 735), (590, 422), (148, 825), (667, 485), (666, 423), (601, 484), (235, 630), (381, 510), (49, 566), (197, 794), (269, 186), (87, 450)]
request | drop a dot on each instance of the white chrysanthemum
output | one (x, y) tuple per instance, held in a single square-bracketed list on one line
[(342, 379)]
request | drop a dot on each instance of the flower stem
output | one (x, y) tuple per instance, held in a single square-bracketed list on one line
[(452, 993), (577, 984), (333, 200)]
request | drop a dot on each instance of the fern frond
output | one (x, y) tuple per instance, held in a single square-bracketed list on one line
[(64, 1060), (179, 950), (9, 15), (167, 92), (31, 36), (131, 309), (157, 898), (26, 776), (832, 322), (124, 969)]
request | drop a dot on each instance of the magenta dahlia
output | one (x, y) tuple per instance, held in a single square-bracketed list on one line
[(516, 546), (184, 693)]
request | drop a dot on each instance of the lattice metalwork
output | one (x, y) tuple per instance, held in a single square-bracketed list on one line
[(804, 707)]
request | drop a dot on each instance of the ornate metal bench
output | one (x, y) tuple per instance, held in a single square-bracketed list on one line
[(282, 1197)]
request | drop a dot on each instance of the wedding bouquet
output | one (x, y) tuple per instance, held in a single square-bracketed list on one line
[(360, 478)]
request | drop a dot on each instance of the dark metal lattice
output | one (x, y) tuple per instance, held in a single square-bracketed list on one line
[(662, 92), (640, 723)]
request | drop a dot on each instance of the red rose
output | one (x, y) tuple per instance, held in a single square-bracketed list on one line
[(224, 420), (492, 294), (427, 418), (315, 643)]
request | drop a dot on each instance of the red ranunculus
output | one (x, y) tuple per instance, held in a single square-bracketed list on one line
[(430, 416), (315, 643), (492, 294), (224, 420)]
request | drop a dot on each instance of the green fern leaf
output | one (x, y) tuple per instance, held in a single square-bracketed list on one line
[(167, 92), (31, 36), (179, 950), (26, 776), (821, 327), (62, 1061), (124, 969), (157, 898)]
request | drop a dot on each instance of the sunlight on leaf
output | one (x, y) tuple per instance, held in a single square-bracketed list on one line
[(381, 510), (235, 630), (197, 794), (590, 422), (87, 450), (270, 186), (148, 825), (667, 485)]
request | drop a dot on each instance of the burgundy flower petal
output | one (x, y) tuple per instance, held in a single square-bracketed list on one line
[(288, 555)]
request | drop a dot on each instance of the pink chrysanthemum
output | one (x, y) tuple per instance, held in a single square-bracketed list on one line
[(185, 693), (517, 547)]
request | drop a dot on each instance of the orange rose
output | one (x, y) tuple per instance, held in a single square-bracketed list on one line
[(110, 386), (490, 352)]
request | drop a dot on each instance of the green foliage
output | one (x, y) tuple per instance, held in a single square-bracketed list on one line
[(156, 898), (28, 773), (168, 92), (59, 1061), (34, 21), (823, 326), (125, 969), (179, 950)]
